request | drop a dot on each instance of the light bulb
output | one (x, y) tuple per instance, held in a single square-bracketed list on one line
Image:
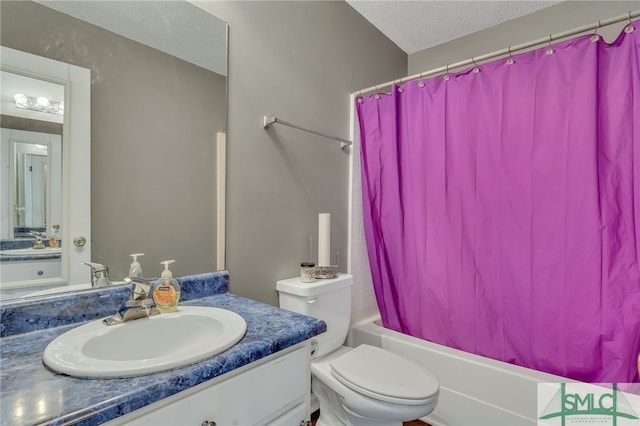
[(20, 99), (42, 102)]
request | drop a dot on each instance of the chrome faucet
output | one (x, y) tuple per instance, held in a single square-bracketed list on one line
[(38, 243), (99, 275), (139, 305)]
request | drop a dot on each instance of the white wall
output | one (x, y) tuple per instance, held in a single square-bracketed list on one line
[(363, 303), (5, 154)]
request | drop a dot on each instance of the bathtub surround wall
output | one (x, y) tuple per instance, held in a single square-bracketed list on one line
[(554, 19), (298, 61)]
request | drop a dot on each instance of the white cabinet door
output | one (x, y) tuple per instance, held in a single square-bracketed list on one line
[(294, 417), (254, 397)]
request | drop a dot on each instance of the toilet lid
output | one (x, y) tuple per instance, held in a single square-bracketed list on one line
[(383, 375)]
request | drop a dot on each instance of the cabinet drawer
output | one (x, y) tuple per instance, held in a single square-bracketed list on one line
[(249, 398), (30, 270)]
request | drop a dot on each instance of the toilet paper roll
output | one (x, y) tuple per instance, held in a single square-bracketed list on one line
[(324, 239)]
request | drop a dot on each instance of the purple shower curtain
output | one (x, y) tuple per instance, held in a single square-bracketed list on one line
[(501, 208)]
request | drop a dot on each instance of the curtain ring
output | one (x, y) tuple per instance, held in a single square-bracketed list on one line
[(476, 70), (510, 61), (549, 49), (595, 37), (629, 28), (446, 76)]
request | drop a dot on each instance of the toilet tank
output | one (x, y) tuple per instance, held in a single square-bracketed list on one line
[(326, 299)]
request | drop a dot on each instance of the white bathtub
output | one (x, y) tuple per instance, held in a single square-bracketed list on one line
[(474, 390)]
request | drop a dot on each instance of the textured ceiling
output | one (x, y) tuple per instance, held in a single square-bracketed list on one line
[(419, 24), (178, 28)]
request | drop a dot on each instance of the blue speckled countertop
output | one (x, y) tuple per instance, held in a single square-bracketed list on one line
[(31, 394), (21, 243), (14, 258)]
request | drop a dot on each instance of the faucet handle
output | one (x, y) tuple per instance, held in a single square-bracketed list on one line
[(139, 305), (99, 274), (38, 244), (141, 288), (96, 267)]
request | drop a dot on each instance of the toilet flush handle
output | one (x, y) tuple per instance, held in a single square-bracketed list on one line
[(312, 300)]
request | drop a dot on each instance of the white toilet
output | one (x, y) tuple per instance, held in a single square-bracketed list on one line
[(366, 385)]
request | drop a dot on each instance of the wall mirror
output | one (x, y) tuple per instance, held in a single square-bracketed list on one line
[(157, 121)]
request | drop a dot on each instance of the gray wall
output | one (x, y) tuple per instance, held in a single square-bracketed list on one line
[(299, 61), (20, 123), (154, 123), (552, 20)]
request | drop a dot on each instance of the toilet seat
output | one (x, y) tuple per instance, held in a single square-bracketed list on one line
[(385, 376)]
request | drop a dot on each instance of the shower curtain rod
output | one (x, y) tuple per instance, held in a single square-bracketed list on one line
[(267, 121), (510, 50)]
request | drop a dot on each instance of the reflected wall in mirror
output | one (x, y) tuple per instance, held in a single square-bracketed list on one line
[(155, 112)]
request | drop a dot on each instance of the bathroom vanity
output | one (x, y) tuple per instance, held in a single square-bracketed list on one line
[(275, 392), (263, 379), (31, 265)]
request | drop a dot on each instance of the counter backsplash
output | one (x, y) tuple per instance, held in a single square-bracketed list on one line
[(26, 315)]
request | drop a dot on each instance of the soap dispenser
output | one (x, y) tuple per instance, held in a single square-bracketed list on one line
[(53, 236), (166, 292), (135, 270)]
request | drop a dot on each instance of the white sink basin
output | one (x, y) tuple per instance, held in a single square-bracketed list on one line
[(32, 252), (145, 346)]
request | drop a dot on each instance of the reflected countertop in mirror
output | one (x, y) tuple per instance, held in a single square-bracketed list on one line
[(155, 112)]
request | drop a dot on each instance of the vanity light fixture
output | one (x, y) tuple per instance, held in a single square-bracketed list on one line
[(40, 104)]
